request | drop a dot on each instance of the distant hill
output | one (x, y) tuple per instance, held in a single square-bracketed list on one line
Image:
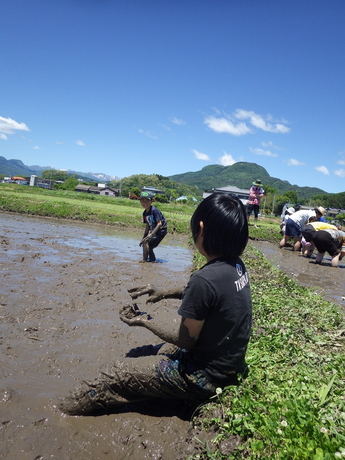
[(18, 168), (241, 175)]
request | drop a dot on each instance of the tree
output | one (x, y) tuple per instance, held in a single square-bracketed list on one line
[(54, 174), (70, 183), (135, 191), (161, 198)]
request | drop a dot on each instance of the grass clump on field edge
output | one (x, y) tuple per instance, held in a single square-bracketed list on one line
[(292, 405)]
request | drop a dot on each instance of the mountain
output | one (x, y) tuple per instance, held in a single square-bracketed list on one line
[(18, 168), (241, 175)]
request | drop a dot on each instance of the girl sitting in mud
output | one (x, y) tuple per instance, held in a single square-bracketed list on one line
[(206, 348)]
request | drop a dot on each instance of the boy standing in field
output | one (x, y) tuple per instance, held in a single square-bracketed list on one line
[(204, 349), (155, 230)]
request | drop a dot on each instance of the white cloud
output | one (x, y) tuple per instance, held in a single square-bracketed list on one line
[(228, 124), (81, 143), (201, 156), (226, 160), (37, 147), (177, 121), (265, 153), (58, 142), (259, 122), (223, 125), (147, 134), (267, 144), (9, 126), (3, 137), (340, 172), (270, 145), (341, 162), (294, 162), (322, 169)]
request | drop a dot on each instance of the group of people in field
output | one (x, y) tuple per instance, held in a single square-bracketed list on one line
[(309, 230)]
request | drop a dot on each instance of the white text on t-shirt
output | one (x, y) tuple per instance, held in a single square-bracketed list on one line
[(241, 282)]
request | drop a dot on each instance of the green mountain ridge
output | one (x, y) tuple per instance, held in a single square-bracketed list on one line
[(241, 175)]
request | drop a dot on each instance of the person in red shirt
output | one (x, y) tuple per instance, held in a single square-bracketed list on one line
[(256, 192)]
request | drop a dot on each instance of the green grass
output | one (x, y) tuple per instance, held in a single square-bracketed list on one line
[(87, 207), (292, 405)]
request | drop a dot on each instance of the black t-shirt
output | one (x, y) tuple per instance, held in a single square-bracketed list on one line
[(152, 217), (219, 293)]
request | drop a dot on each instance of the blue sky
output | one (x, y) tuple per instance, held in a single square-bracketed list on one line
[(170, 86)]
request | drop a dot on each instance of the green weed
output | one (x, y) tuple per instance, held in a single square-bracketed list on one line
[(292, 405)]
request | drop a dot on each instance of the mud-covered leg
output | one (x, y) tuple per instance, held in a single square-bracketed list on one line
[(146, 250), (152, 255), (133, 380)]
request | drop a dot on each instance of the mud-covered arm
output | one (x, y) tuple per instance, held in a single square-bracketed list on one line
[(156, 294), (182, 332), (146, 232), (149, 236)]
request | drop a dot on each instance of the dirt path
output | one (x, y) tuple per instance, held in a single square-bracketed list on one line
[(61, 288)]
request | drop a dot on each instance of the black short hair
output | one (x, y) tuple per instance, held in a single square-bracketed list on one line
[(225, 225)]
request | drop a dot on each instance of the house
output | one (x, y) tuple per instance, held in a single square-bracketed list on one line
[(185, 198), (152, 190), (104, 191), (242, 194)]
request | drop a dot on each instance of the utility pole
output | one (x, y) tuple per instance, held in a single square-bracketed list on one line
[(273, 204)]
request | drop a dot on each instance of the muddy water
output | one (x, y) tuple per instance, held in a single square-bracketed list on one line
[(61, 288), (328, 281)]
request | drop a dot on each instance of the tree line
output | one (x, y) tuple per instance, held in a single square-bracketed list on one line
[(272, 202)]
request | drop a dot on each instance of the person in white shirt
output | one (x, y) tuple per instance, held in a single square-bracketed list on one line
[(296, 222)]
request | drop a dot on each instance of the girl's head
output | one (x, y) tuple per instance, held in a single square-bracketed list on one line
[(224, 225)]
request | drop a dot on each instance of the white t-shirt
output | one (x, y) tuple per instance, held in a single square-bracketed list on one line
[(302, 217)]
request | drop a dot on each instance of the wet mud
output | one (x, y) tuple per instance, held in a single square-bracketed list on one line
[(62, 286), (327, 281)]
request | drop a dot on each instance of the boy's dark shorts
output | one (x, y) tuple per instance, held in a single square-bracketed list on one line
[(155, 240)]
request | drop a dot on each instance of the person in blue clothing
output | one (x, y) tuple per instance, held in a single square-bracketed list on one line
[(155, 230), (204, 348)]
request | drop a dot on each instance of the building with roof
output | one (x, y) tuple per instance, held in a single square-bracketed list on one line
[(105, 191), (242, 194)]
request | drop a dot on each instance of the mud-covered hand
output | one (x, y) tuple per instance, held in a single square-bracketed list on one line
[(156, 294), (146, 239), (138, 291), (133, 317)]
